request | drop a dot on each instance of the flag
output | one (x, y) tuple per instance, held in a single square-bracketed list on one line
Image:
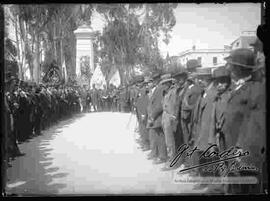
[(64, 71), (115, 80), (98, 78)]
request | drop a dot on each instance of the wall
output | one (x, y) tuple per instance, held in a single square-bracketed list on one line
[(84, 48), (206, 58)]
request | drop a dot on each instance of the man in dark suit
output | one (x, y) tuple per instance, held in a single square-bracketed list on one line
[(38, 113), (192, 91), (10, 146), (244, 117), (94, 98), (88, 101), (141, 111), (170, 116), (157, 144), (206, 117)]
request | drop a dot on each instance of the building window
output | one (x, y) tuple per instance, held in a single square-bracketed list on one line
[(199, 60), (215, 60), (237, 44)]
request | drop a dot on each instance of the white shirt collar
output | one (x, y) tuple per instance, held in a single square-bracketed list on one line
[(241, 82)]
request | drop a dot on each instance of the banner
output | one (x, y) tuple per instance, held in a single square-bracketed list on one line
[(98, 79)]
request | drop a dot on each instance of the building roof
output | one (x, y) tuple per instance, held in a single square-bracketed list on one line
[(245, 41), (203, 51)]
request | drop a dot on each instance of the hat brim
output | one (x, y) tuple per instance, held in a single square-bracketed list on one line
[(180, 75), (226, 58), (148, 81), (167, 80)]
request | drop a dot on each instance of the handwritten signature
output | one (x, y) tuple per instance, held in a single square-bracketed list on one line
[(224, 169), (217, 158)]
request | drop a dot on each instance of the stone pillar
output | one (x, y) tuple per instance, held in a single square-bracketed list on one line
[(84, 47)]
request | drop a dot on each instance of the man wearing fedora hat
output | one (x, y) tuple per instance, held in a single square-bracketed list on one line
[(244, 115), (203, 131), (141, 111), (11, 148), (190, 95), (155, 109), (170, 116)]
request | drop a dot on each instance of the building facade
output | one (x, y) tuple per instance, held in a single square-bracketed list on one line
[(208, 58), (211, 58), (245, 40)]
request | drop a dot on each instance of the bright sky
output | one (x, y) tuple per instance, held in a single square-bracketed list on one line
[(206, 25), (211, 25)]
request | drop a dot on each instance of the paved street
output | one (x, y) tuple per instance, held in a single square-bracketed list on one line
[(93, 153)]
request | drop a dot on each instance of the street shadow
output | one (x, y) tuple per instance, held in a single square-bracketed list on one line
[(35, 173)]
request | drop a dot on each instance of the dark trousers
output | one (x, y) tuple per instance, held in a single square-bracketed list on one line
[(144, 133), (153, 142), (157, 143)]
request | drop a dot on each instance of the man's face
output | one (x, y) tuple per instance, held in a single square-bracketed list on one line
[(222, 86), (181, 81), (231, 70), (168, 84), (12, 85)]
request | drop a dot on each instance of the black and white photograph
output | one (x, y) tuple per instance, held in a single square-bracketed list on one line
[(134, 99)]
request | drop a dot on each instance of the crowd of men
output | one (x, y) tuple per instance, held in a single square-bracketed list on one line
[(187, 118), (31, 108), (108, 99)]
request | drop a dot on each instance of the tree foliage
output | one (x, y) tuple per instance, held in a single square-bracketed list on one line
[(48, 28), (131, 35)]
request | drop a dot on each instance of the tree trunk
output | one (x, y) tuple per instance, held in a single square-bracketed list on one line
[(36, 59), (61, 56), (19, 56), (54, 42), (26, 50), (122, 74)]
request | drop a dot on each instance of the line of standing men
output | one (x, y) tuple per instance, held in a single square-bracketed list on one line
[(31, 108), (110, 99), (218, 112)]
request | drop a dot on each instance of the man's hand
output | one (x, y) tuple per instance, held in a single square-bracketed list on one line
[(191, 142), (150, 122)]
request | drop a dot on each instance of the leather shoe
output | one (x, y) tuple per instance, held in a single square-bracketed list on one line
[(151, 157), (159, 161), (168, 168), (145, 148), (20, 154)]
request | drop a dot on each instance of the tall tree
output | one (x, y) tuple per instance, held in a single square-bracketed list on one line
[(131, 33), (48, 28)]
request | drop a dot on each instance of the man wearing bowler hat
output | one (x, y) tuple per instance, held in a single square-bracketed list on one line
[(244, 116)]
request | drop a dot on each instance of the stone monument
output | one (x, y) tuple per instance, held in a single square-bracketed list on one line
[(84, 54)]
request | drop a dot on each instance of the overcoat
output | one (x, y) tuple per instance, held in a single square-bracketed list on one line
[(205, 122), (155, 105), (244, 121)]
